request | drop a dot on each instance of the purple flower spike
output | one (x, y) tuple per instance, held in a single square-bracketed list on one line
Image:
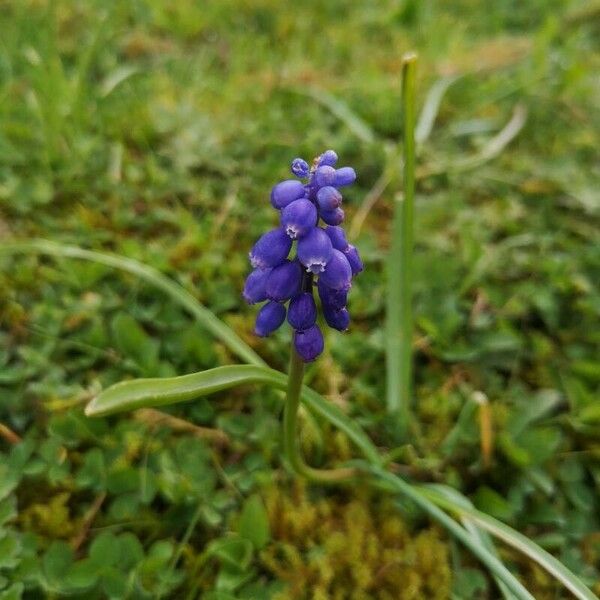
[(345, 176), (284, 281), (302, 312), (309, 343), (332, 299), (322, 249), (333, 217), (337, 319), (271, 249), (269, 318), (255, 286), (354, 259), (285, 192), (328, 198), (337, 237), (325, 176), (300, 168), (314, 250), (328, 158), (338, 273), (298, 218)]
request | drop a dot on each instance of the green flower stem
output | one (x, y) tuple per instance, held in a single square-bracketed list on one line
[(290, 422)]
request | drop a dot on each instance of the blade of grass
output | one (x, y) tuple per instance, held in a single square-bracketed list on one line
[(431, 107), (178, 293), (394, 484), (341, 110), (399, 296), (440, 496)]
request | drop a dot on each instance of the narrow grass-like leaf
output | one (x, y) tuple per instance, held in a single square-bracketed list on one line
[(478, 533), (442, 497), (431, 107), (152, 392), (395, 484), (178, 293), (341, 110), (399, 265)]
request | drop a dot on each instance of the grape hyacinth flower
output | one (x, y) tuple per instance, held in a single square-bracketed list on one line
[(310, 218)]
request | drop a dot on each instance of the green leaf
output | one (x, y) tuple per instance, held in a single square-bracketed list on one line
[(145, 393), (133, 342), (83, 574), (254, 522), (233, 551), (8, 510), (514, 539), (14, 592), (421, 498), (57, 561), (10, 549)]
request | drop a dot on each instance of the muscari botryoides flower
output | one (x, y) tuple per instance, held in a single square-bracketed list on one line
[(321, 256)]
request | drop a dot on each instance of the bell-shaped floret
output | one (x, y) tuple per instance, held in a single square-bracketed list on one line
[(337, 319), (271, 249), (344, 176), (328, 198), (332, 299), (285, 192), (255, 286), (302, 311), (314, 250), (284, 281), (338, 273), (332, 217), (309, 343), (338, 237), (269, 318), (298, 218), (354, 259)]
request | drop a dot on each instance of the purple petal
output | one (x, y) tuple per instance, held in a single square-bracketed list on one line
[(354, 259), (284, 281), (255, 286), (271, 249), (328, 198), (325, 176), (309, 343), (285, 192), (298, 218), (269, 318), (328, 158), (314, 250), (332, 217), (338, 237), (300, 168), (338, 273), (302, 311), (337, 319), (332, 299), (344, 176)]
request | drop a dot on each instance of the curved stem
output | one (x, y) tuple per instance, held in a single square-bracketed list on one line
[(290, 421)]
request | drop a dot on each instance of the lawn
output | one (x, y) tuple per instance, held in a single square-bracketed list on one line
[(155, 130)]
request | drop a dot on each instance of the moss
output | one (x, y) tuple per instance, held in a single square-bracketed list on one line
[(51, 519), (339, 548)]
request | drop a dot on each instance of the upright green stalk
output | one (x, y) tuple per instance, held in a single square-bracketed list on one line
[(399, 266), (290, 421)]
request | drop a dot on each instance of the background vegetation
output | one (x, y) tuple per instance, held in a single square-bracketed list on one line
[(155, 130)]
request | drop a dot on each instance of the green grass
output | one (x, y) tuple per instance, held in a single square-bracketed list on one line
[(155, 130)]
